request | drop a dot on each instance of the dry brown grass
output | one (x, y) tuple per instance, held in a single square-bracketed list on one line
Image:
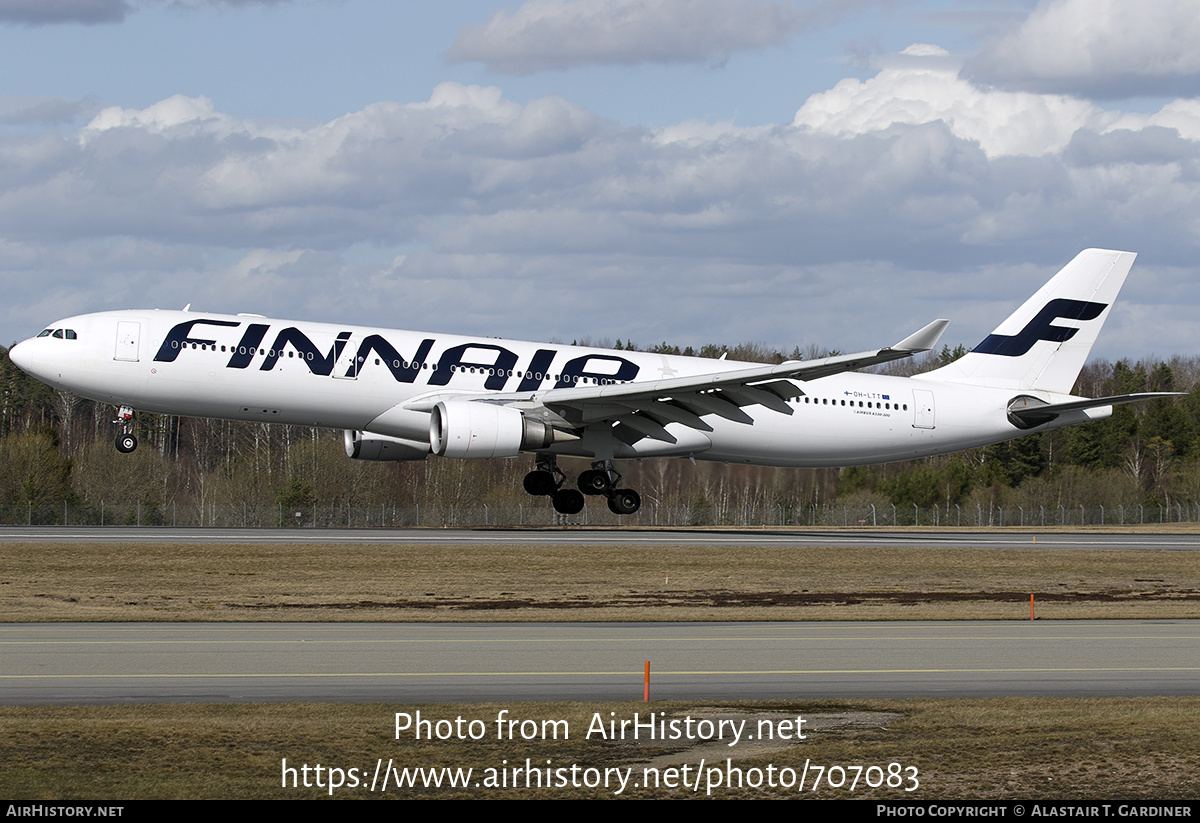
[(337, 582), (962, 749)]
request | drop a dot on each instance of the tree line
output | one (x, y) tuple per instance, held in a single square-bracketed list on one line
[(56, 448)]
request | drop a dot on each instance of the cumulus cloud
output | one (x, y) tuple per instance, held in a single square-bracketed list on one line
[(921, 85), (927, 89), (49, 12), (175, 111), (1104, 49), (44, 111), (44, 12), (560, 34), (946, 201)]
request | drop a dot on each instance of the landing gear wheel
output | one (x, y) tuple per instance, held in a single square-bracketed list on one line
[(126, 442), (568, 501), (593, 482), (624, 501), (539, 483)]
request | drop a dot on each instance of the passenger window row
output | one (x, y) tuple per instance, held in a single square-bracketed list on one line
[(869, 404), (242, 350), (395, 363)]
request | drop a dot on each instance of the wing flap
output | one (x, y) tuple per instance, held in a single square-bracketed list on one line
[(752, 395), (714, 404), (648, 427), (665, 412), (785, 389)]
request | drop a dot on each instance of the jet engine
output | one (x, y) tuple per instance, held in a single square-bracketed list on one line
[(474, 429), (362, 445)]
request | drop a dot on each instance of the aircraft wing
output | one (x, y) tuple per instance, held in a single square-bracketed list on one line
[(647, 406)]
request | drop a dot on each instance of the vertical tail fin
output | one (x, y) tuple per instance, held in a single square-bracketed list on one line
[(1043, 344)]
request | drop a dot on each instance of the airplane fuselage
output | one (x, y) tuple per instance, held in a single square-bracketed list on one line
[(386, 381)]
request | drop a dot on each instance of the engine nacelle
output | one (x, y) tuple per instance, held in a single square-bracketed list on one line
[(362, 445), (472, 429)]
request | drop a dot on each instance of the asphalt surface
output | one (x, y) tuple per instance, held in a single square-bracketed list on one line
[(146, 663), (419, 663), (575, 537)]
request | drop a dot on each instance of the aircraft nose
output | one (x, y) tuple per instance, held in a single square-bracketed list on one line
[(19, 355)]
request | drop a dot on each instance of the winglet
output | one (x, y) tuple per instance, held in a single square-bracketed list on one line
[(925, 339)]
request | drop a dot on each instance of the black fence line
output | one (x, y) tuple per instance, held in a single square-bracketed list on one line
[(540, 513)]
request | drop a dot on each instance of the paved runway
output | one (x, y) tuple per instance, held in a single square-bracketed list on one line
[(134, 663), (576, 537), (417, 663)]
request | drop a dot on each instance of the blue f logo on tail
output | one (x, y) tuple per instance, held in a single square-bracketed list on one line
[(1041, 328)]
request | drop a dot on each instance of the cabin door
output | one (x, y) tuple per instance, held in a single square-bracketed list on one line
[(127, 341), (923, 409)]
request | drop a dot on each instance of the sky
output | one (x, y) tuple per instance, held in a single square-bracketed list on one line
[(832, 174)]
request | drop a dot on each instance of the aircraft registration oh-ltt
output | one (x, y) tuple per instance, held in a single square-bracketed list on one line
[(401, 395)]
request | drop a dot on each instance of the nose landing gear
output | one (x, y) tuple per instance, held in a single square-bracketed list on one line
[(126, 440)]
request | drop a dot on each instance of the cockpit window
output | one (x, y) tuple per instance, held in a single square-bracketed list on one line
[(61, 334)]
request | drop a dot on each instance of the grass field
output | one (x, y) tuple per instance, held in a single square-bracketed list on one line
[(961, 749), (339, 582)]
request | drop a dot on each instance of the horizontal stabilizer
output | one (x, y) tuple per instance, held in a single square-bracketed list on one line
[(1027, 412)]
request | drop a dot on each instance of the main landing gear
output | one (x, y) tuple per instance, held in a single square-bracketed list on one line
[(601, 478), (126, 441), (547, 480)]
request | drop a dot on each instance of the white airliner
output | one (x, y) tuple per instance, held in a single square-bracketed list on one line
[(400, 395)]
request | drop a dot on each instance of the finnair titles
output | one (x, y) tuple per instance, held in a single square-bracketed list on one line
[(402, 395)]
